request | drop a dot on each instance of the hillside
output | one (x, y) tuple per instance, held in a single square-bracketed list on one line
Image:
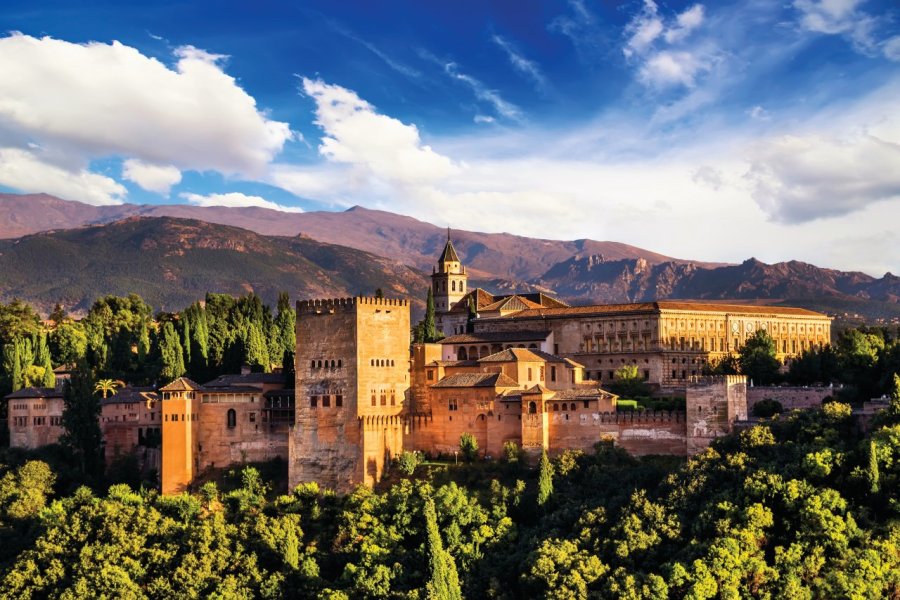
[(487, 255), (173, 262)]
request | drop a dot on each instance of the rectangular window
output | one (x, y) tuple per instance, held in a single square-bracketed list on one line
[(556, 349), (252, 417), (313, 401), (326, 401), (339, 400), (552, 373), (430, 375), (541, 378), (529, 373)]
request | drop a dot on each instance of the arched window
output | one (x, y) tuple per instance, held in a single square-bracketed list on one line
[(556, 407), (312, 365), (340, 363), (373, 400), (461, 354), (392, 362), (453, 285), (232, 418), (320, 364), (532, 408), (572, 406)]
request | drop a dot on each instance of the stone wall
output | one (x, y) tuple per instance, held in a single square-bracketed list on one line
[(250, 440), (795, 397)]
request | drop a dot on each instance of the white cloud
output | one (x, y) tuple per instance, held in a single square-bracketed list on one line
[(26, 171), (484, 119), (891, 48), (484, 93), (687, 21), (358, 136), (643, 30), (153, 178), (81, 102), (759, 113), (658, 48), (839, 17), (671, 68), (838, 164), (235, 200), (521, 64)]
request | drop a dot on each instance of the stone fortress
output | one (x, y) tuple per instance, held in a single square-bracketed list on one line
[(521, 368)]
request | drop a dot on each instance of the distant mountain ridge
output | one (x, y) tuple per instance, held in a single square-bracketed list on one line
[(182, 259), (174, 262), (413, 242)]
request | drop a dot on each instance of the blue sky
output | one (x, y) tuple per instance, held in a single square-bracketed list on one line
[(714, 131)]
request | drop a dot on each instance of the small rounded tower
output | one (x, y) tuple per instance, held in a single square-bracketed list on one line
[(448, 279)]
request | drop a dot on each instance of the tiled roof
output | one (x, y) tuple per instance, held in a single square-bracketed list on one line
[(655, 308), (35, 393), (449, 253), (523, 354), (485, 299), (182, 384), (497, 336), (482, 298), (538, 389), (464, 380), (583, 392), (510, 303), (245, 378), (130, 395)]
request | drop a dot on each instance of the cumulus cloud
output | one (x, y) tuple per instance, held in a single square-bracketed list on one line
[(27, 172), (356, 135), (236, 200), (801, 178), (526, 67), (891, 48), (153, 178), (81, 102), (656, 47)]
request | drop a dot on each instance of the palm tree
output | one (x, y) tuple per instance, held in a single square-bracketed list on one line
[(107, 386)]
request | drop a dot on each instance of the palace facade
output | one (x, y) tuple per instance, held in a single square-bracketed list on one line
[(525, 369)]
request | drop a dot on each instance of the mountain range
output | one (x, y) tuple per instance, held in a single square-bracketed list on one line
[(58, 250)]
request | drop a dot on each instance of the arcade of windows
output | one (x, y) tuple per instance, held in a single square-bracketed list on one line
[(381, 397), (381, 362), (326, 364), (326, 401)]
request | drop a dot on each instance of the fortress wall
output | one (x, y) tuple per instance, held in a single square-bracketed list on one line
[(790, 397), (250, 440)]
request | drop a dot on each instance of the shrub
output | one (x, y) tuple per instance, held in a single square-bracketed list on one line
[(512, 452), (767, 408), (468, 445), (408, 461)]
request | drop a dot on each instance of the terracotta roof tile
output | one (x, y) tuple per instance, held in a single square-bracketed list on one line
[(523, 354), (655, 308), (34, 393), (498, 336), (182, 384), (464, 380)]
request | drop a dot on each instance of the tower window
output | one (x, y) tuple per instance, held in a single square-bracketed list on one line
[(453, 285), (339, 400), (231, 418), (313, 401)]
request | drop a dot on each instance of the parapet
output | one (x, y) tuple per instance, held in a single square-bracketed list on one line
[(333, 305), (711, 380)]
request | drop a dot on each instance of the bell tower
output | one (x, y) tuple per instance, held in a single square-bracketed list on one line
[(448, 279)]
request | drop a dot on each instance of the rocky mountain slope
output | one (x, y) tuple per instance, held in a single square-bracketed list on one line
[(173, 262)]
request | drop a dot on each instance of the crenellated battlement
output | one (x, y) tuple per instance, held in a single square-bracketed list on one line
[(332, 305), (709, 380)]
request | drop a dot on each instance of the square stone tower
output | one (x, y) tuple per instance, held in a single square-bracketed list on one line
[(180, 408), (713, 404), (352, 378)]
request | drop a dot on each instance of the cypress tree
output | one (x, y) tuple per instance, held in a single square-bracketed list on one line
[(545, 480), (257, 351), (49, 380), (186, 338), (430, 330), (286, 322), (171, 354), (873, 474), (81, 421), (143, 345), (895, 395), (15, 375), (443, 583)]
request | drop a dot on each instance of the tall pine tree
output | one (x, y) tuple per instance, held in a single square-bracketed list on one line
[(443, 582), (81, 422), (545, 480)]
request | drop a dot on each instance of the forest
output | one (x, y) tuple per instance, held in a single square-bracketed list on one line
[(803, 505)]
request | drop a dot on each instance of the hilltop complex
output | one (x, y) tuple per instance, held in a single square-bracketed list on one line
[(521, 368)]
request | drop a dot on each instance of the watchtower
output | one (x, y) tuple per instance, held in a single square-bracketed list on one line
[(180, 407), (713, 404), (352, 377)]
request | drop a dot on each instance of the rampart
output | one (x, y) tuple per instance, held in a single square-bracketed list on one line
[(790, 398)]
